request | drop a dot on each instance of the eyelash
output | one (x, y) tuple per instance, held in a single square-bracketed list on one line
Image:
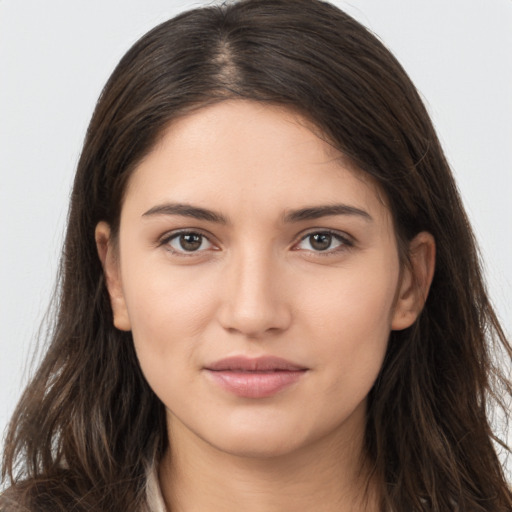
[(345, 242), (176, 234)]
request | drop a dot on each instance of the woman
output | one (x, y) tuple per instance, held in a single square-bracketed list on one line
[(271, 297)]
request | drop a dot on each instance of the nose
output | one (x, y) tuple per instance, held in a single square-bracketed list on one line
[(254, 299)]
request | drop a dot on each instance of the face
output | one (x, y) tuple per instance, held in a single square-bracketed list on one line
[(259, 274)]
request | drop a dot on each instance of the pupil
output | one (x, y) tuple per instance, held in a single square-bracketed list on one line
[(190, 242), (321, 241)]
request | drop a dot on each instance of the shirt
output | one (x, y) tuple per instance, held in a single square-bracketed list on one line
[(154, 494)]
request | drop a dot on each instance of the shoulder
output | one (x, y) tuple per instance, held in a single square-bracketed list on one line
[(63, 492), (36, 495), (10, 501)]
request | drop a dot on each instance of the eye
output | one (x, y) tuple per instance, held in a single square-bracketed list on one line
[(188, 241), (323, 241)]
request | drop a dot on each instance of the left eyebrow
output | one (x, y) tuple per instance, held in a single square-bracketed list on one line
[(316, 212)]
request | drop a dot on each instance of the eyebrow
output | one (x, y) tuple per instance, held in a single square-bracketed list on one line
[(186, 210), (316, 212), (302, 214)]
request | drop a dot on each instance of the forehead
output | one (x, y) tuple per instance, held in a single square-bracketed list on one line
[(257, 155)]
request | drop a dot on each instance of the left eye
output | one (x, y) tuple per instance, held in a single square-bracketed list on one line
[(322, 241), (189, 242)]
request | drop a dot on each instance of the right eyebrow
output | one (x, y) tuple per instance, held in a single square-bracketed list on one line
[(186, 210)]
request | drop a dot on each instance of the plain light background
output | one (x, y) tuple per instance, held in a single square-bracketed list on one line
[(56, 55)]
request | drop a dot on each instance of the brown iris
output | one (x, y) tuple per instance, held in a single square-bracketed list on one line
[(190, 241), (320, 241)]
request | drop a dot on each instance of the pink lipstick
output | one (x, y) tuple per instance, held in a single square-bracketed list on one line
[(255, 377)]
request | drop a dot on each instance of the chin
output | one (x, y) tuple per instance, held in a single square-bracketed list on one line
[(255, 437), (262, 438), (257, 445)]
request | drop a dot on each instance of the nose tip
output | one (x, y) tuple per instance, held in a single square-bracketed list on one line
[(254, 303), (254, 322)]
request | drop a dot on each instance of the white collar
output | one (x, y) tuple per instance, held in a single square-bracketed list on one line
[(153, 492)]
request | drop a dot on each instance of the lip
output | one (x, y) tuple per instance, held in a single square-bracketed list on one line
[(254, 377)]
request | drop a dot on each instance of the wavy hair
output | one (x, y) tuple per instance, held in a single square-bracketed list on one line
[(88, 424)]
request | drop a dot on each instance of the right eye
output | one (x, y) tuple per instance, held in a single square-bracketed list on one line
[(188, 242)]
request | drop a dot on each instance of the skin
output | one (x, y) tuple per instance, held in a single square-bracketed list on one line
[(259, 285)]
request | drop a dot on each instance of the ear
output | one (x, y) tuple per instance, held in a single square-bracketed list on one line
[(415, 281), (110, 263)]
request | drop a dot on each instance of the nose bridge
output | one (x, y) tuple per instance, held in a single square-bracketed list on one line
[(254, 299)]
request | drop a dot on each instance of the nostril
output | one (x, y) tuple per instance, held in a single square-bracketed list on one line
[(255, 323), (253, 300)]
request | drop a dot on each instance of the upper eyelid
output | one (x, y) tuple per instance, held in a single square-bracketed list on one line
[(335, 232), (169, 235), (165, 242), (347, 243)]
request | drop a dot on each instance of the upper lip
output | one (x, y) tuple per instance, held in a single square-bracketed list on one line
[(258, 364)]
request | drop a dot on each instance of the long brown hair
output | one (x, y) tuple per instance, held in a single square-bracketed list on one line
[(88, 425)]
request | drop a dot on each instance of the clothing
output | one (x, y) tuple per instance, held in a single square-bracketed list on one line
[(154, 494)]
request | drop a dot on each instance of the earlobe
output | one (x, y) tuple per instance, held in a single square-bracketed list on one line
[(415, 281), (110, 263)]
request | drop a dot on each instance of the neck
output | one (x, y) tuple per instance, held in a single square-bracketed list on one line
[(329, 473)]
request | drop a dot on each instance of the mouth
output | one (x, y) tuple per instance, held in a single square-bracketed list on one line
[(254, 377)]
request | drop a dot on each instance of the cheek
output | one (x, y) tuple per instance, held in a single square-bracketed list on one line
[(167, 318), (352, 318), (168, 310), (356, 299)]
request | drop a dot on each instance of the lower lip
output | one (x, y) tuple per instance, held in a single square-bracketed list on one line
[(255, 384)]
